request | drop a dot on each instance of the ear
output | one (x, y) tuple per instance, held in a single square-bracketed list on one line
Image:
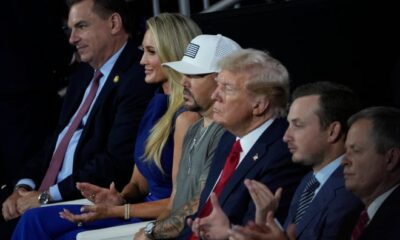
[(115, 23), (392, 157), (260, 105), (334, 132)]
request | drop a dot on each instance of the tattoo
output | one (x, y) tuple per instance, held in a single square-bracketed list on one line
[(171, 226)]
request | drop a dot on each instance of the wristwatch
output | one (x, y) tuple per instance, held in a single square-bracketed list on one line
[(44, 197), (148, 230)]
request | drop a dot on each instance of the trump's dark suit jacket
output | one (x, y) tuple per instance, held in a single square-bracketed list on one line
[(105, 149), (268, 161), (386, 222), (331, 215)]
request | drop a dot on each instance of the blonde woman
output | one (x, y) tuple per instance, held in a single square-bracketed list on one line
[(157, 151)]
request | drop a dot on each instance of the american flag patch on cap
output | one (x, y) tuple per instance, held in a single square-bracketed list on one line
[(191, 50)]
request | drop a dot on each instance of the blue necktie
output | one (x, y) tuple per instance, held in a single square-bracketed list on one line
[(306, 198)]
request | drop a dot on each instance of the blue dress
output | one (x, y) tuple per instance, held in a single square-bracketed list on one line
[(159, 184), (45, 223)]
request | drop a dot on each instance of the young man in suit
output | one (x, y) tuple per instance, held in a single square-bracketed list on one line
[(100, 115), (316, 138), (372, 171), (250, 99)]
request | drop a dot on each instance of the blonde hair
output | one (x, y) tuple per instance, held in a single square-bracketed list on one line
[(172, 32)]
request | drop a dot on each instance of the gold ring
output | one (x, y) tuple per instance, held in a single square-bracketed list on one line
[(91, 197)]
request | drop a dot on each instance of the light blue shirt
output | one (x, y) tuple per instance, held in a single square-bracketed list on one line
[(325, 172), (68, 163)]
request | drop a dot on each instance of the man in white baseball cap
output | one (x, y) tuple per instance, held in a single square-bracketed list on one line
[(199, 67)]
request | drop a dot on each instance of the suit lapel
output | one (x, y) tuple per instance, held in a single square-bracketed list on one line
[(240, 173), (115, 78), (75, 98), (252, 158), (325, 195), (386, 213)]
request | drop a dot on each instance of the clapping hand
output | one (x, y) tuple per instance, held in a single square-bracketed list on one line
[(263, 198), (269, 231), (213, 227)]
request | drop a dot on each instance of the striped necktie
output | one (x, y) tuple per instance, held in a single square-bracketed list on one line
[(306, 198)]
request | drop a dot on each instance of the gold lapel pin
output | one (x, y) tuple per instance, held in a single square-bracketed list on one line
[(116, 79), (255, 157)]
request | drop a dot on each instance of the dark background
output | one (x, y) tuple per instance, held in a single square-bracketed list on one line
[(352, 42)]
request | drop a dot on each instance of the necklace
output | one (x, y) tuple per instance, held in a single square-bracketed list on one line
[(202, 132)]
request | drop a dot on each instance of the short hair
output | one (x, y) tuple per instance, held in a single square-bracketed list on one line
[(267, 76), (104, 8), (336, 102), (385, 129)]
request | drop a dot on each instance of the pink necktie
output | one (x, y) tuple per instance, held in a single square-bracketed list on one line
[(360, 226), (59, 153), (229, 167)]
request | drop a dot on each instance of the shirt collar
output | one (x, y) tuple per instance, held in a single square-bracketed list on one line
[(376, 204), (247, 141), (108, 66), (325, 172)]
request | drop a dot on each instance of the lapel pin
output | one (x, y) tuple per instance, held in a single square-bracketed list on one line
[(116, 79), (255, 157)]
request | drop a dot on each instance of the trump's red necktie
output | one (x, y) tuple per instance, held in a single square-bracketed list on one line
[(229, 167)]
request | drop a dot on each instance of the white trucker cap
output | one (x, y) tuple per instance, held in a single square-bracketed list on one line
[(203, 54)]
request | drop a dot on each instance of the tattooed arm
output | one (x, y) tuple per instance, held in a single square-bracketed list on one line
[(171, 227)]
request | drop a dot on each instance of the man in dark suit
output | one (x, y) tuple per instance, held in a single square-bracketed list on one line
[(315, 137), (372, 171), (250, 100), (100, 147)]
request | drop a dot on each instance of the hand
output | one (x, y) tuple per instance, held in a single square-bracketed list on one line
[(9, 207), (269, 231), (263, 198), (194, 225), (88, 214), (28, 200), (99, 195), (245, 233), (140, 235), (216, 225)]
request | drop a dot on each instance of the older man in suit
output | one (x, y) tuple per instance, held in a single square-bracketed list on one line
[(105, 101), (250, 100), (372, 171), (321, 208)]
